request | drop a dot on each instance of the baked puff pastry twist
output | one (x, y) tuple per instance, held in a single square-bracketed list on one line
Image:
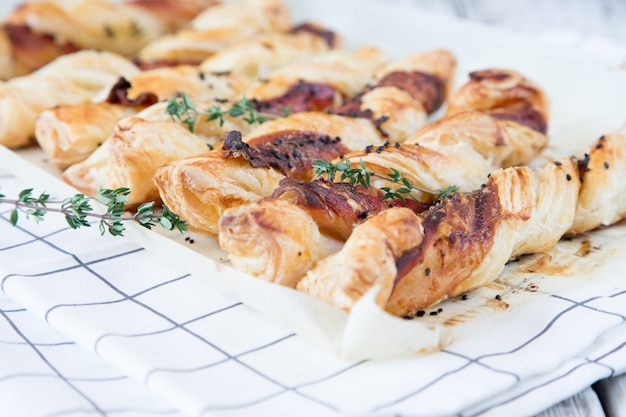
[(131, 156), (281, 141), (256, 56), (216, 28), (200, 189), (461, 243), (460, 150), (70, 133), (70, 79), (36, 33), (403, 93), (602, 199)]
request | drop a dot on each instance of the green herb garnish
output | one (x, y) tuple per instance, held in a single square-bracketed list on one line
[(78, 208), (181, 107), (361, 175)]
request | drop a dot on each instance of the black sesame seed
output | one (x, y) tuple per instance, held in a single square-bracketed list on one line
[(498, 297), (606, 165), (420, 313), (427, 271), (557, 163), (568, 177)]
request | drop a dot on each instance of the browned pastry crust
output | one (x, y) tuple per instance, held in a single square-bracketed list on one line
[(602, 200), (403, 93), (289, 145), (497, 89), (225, 178), (458, 245), (257, 56), (460, 150), (68, 134), (334, 75), (216, 28), (259, 233), (38, 32), (131, 157), (69, 79)]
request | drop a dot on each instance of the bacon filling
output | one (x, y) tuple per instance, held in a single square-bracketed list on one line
[(119, 95), (428, 89), (301, 97), (291, 152)]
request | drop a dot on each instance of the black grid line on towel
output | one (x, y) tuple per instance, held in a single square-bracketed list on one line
[(282, 389), (131, 297)]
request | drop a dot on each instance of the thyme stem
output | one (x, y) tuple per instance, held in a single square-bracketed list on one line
[(77, 209)]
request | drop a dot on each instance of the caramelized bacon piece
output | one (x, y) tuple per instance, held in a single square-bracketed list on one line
[(303, 96), (505, 95), (34, 50), (119, 95), (291, 152), (329, 36), (456, 246), (353, 108), (337, 207), (427, 89), (524, 114)]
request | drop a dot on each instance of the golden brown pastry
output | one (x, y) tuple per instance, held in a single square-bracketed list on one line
[(165, 82), (602, 199), (200, 189), (69, 80), (36, 33), (256, 56), (316, 84), (458, 245), (460, 150), (69, 133), (258, 236), (498, 88), (215, 29), (403, 93), (131, 157), (356, 130)]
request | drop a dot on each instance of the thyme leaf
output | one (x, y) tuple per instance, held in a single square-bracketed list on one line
[(182, 108), (78, 208), (360, 175)]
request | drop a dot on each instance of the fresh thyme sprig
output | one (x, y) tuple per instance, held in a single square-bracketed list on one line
[(361, 175), (181, 107), (78, 208)]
